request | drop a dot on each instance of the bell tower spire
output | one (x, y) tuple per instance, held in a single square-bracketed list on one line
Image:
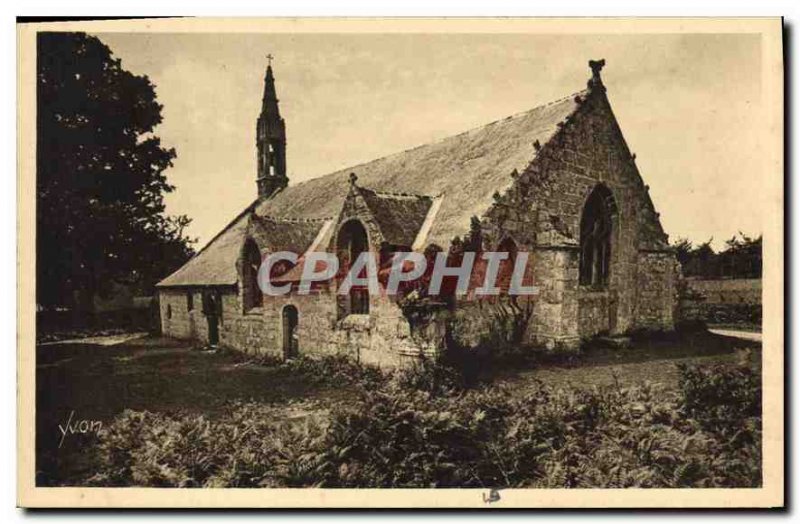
[(270, 140)]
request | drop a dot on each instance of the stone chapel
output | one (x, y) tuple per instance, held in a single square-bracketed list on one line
[(557, 181)]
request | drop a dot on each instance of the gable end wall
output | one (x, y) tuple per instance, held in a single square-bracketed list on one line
[(542, 212)]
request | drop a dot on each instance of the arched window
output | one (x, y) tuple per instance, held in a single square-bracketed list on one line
[(351, 243), (597, 222), (252, 297), (506, 270)]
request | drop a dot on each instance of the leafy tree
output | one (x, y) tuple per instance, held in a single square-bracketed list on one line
[(100, 176), (683, 250), (741, 258)]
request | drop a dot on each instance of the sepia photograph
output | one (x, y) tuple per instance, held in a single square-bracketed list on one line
[(492, 262)]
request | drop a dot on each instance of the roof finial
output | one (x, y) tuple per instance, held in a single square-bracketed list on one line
[(353, 179), (596, 66), (269, 58)]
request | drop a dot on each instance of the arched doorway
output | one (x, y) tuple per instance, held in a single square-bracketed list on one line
[(211, 309), (351, 242), (291, 347)]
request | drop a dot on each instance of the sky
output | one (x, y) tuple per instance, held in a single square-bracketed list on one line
[(688, 105)]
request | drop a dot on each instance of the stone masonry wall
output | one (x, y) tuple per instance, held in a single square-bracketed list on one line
[(729, 301), (657, 292), (181, 322), (382, 338)]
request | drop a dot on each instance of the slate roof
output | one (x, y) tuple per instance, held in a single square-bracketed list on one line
[(276, 234), (399, 216), (465, 170), (215, 264)]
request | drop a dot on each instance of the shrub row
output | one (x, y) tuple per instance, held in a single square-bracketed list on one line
[(423, 430)]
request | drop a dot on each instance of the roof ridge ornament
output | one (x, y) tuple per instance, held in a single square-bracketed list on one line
[(596, 66), (353, 179)]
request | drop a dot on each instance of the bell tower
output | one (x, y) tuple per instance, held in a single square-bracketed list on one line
[(270, 141)]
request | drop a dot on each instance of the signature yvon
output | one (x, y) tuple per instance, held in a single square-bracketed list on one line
[(82, 426)]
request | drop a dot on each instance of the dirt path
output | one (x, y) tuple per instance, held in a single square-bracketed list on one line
[(652, 361), (107, 340), (662, 372), (736, 333)]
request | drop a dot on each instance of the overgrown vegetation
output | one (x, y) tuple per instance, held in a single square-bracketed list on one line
[(334, 370), (421, 428)]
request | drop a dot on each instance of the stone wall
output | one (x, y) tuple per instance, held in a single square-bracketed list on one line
[(657, 291), (596, 308), (726, 291), (382, 338), (555, 273), (729, 301), (176, 319)]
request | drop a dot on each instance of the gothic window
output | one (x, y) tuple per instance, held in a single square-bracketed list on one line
[(189, 300), (271, 159), (252, 297), (506, 270), (597, 223), (352, 242)]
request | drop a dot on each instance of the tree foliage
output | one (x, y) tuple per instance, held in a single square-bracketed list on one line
[(100, 176)]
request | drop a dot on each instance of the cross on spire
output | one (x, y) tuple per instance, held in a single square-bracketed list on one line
[(270, 57)]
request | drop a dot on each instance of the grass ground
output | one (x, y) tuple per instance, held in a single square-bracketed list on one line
[(96, 383)]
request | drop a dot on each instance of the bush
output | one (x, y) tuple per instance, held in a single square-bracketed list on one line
[(434, 377), (253, 446), (425, 431), (335, 370), (332, 370), (607, 437), (722, 398)]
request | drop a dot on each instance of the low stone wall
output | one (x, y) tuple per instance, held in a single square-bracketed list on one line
[(730, 301), (728, 291)]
